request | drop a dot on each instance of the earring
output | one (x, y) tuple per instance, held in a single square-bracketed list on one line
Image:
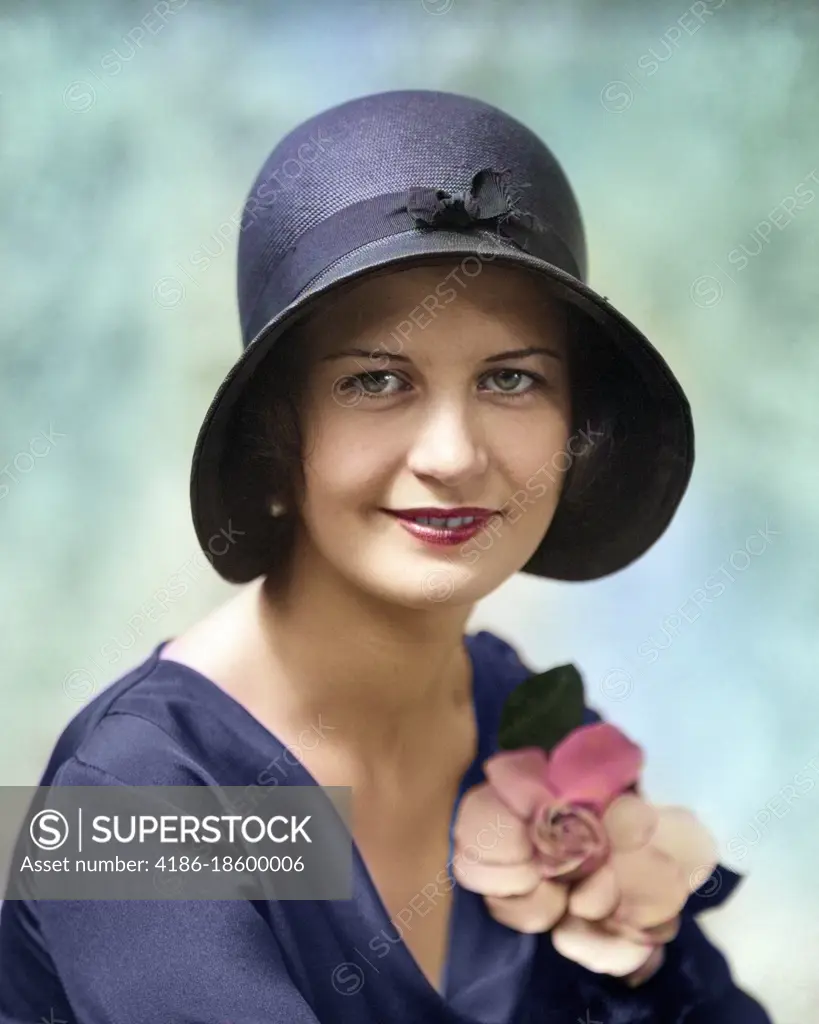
[(276, 508)]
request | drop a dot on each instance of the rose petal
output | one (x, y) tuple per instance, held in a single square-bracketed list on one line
[(593, 765), (570, 841), (489, 830), (681, 835), (495, 879), (652, 887), (537, 911), (659, 935), (597, 896), (648, 970), (612, 926), (663, 933), (520, 779), (596, 950), (630, 822)]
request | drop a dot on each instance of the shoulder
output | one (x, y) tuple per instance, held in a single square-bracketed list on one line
[(140, 730), (505, 667), (128, 750)]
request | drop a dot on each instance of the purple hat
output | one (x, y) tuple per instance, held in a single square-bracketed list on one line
[(412, 176)]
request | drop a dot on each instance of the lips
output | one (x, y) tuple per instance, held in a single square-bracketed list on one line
[(451, 518), (441, 522), (443, 526)]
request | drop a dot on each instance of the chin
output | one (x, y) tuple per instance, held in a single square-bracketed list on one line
[(428, 586)]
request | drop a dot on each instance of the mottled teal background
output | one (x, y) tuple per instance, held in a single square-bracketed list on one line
[(129, 137)]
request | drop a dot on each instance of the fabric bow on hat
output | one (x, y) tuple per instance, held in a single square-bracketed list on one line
[(486, 203)]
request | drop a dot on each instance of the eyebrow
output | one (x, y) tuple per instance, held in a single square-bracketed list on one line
[(518, 353)]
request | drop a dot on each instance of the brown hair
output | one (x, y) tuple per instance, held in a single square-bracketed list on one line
[(265, 444)]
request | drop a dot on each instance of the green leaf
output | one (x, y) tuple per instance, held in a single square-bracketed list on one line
[(542, 710)]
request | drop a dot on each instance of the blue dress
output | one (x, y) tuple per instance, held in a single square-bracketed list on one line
[(289, 962)]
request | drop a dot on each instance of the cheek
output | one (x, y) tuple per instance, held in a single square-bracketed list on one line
[(534, 447), (347, 459)]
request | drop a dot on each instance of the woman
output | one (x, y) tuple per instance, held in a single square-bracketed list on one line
[(430, 400)]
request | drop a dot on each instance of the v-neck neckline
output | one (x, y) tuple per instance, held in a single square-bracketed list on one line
[(374, 905)]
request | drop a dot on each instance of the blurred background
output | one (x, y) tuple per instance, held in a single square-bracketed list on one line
[(130, 136)]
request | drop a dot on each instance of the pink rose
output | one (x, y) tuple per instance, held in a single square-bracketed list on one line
[(615, 871), (563, 795), (569, 840), (619, 916)]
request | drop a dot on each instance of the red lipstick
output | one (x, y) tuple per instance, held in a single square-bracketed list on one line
[(443, 525)]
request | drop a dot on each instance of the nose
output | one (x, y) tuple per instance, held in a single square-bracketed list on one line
[(449, 445)]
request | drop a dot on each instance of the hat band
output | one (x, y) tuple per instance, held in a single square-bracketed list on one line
[(370, 220)]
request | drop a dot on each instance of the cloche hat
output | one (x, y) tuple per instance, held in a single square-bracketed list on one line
[(400, 178)]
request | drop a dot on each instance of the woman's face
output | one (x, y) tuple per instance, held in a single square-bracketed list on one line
[(425, 396)]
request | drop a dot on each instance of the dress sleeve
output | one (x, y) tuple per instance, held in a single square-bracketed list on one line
[(174, 961), (694, 985)]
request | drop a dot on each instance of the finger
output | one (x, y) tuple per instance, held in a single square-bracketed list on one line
[(495, 879), (537, 911), (485, 823)]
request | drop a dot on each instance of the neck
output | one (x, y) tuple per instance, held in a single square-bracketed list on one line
[(379, 674)]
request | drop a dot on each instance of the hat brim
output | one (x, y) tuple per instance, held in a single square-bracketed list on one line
[(630, 518)]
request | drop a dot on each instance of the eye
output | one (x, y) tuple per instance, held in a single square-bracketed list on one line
[(369, 384), (509, 381)]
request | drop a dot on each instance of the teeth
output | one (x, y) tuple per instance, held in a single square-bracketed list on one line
[(450, 523)]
